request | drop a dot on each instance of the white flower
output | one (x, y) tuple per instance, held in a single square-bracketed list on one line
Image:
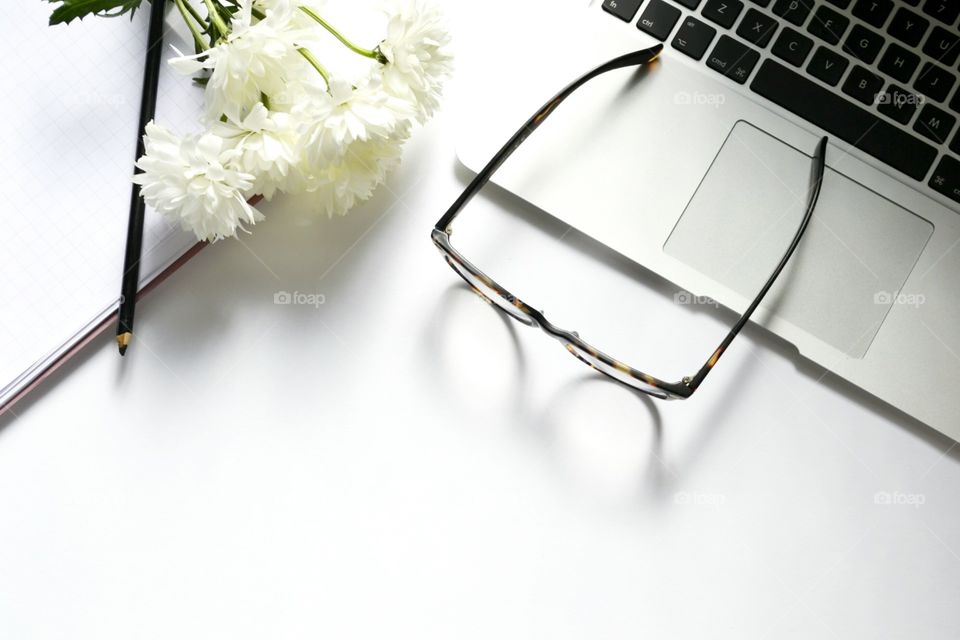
[(273, 123), (191, 180), (266, 145), (347, 115), (419, 60), (364, 167), (257, 58)]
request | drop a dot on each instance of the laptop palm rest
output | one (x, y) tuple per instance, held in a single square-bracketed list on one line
[(851, 264)]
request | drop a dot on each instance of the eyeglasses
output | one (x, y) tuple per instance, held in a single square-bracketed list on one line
[(493, 293)]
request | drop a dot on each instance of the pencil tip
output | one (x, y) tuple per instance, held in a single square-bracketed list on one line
[(123, 341)]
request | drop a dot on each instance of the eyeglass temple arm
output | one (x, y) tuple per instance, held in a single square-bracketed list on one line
[(637, 58), (819, 159)]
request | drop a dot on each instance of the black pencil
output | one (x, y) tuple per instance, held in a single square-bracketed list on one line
[(148, 108)]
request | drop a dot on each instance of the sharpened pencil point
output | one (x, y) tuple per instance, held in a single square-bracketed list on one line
[(123, 341)]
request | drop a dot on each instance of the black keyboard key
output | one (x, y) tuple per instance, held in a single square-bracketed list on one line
[(828, 25), (757, 28), (863, 85), (827, 66), (898, 63), (733, 59), (908, 27), (898, 104), (934, 124), (843, 4), (623, 9), (795, 11), (762, 3), (863, 44), (689, 4), (723, 12), (873, 12), (852, 124), (658, 19), (693, 37), (792, 46), (943, 10), (934, 82), (946, 178), (943, 46), (955, 145), (955, 103)]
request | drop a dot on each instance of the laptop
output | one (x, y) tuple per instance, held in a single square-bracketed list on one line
[(697, 167)]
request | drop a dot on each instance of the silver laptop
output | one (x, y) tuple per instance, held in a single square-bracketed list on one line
[(697, 170)]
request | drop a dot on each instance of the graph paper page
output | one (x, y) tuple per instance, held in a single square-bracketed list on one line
[(68, 127)]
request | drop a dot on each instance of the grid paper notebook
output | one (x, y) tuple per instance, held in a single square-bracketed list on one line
[(68, 127)]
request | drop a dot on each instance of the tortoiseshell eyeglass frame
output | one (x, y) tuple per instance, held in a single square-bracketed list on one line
[(492, 292)]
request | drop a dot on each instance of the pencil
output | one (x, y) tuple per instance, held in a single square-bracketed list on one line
[(148, 108)]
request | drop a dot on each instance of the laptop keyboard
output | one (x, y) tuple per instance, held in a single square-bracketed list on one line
[(878, 74)]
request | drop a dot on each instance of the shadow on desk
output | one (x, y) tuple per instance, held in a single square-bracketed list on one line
[(578, 242)]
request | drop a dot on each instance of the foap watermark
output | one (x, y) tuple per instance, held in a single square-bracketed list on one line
[(699, 99), (899, 99), (299, 299), (686, 298), (96, 99), (699, 499), (900, 499), (914, 300)]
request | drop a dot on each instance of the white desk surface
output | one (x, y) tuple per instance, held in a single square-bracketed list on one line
[(402, 462)]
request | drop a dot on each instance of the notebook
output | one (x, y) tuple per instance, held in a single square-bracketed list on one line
[(68, 127)]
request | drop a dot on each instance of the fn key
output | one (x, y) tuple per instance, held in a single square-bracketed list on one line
[(623, 9), (658, 19)]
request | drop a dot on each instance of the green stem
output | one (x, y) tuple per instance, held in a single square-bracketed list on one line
[(373, 54), (207, 28), (224, 13), (218, 24), (197, 36), (193, 12), (256, 13), (316, 65)]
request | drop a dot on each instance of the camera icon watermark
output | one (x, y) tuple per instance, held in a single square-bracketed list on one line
[(299, 299), (899, 498), (888, 298), (685, 298)]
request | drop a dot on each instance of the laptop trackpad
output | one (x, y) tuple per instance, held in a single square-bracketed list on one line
[(850, 265)]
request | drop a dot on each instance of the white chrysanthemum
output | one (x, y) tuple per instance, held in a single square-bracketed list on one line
[(348, 115), (267, 146), (418, 55), (257, 58), (364, 167), (191, 181)]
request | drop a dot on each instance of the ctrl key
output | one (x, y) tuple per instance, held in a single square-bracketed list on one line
[(946, 178), (733, 59)]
